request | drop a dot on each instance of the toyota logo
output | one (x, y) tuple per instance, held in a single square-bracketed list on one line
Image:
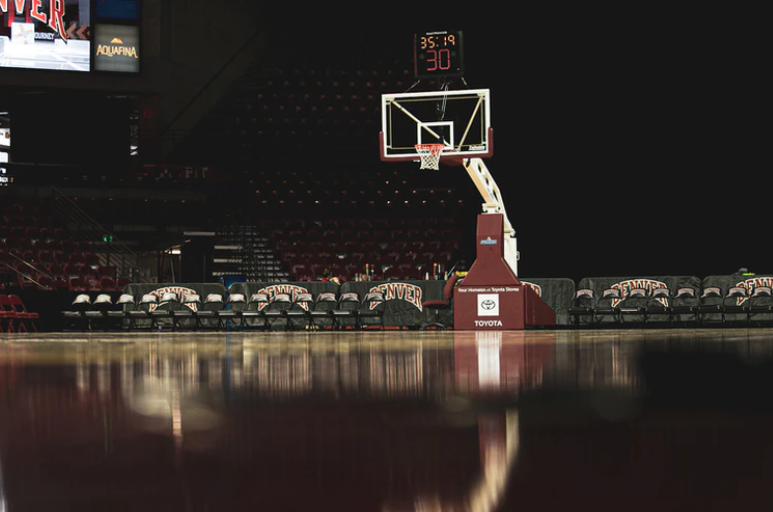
[(488, 304)]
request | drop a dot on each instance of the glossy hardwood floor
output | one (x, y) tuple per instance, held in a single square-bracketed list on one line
[(387, 421)]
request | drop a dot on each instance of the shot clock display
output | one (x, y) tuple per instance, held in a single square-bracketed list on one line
[(438, 54)]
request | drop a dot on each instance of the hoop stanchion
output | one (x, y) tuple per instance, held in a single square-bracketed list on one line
[(430, 155)]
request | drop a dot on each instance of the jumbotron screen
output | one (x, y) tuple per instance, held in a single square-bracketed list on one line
[(45, 34)]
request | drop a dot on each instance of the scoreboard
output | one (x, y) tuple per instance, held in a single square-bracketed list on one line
[(71, 35)]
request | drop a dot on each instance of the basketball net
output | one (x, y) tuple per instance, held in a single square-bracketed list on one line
[(430, 155)]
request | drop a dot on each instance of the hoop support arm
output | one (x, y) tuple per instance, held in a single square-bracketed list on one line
[(492, 203)]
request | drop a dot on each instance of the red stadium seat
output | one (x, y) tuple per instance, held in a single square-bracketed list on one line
[(46, 282), (393, 274), (77, 284), (91, 259)]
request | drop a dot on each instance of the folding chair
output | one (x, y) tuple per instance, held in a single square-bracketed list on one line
[(372, 310), (75, 316), (659, 307), (208, 314), (186, 316), (231, 316), (277, 310), (298, 314), (139, 317), (321, 314), (607, 309), (761, 306), (583, 307), (346, 315), (119, 314), (633, 306), (163, 315), (96, 315), (253, 315), (735, 306), (710, 306), (685, 306)]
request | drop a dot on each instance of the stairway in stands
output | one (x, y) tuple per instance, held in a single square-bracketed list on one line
[(244, 250)]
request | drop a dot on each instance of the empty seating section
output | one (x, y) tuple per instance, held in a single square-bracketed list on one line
[(338, 105), (35, 253), (398, 249)]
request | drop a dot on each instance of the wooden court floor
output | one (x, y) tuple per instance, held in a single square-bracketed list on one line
[(387, 421)]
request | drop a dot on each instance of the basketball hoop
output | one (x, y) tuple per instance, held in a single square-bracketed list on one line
[(430, 155)]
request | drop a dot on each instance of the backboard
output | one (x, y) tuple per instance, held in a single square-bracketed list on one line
[(460, 119)]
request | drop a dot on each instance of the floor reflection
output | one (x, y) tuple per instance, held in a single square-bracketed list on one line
[(377, 421)]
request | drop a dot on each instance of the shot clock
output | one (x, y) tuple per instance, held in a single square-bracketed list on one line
[(438, 54)]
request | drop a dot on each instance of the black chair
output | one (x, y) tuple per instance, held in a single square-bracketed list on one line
[(436, 306), (684, 310), (253, 315), (372, 310), (119, 315), (583, 307), (207, 315), (163, 314), (231, 317), (710, 306), (633, 307), (346, 314), (97, 314), (75, 315), (761, 306), (658, 309), (321, 314), (139, 317), (607, 309), (187, 315), (735, 306), (276, 311), (298, 314)]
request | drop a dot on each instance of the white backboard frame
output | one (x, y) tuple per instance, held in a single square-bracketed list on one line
[(472, 130)]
